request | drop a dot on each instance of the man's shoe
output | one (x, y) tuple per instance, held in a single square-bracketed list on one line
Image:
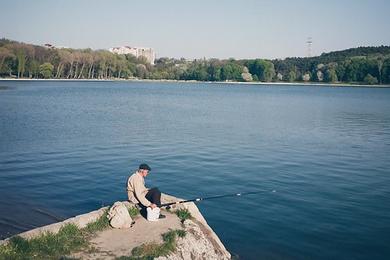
[(162, 216)]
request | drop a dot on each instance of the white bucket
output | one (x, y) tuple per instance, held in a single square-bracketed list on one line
[(152, 214)]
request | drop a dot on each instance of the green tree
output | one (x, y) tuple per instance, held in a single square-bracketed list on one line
[(380, 66), (197, 70), (33, 68), (21, 57), (263, 69), (386, 71), (330, 75), (4, 54), (352, 65), (141, 71), (178, 72), (370, 80), (357, 69), (340, 71), (46, 70), (214, 71), (231, 71), (291, 76), (121, 66), (131, 67)]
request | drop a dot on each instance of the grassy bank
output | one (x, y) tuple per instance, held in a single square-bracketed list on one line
[(46, 246), (70, 238)]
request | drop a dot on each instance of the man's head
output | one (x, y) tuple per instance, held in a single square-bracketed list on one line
[(144, 169)]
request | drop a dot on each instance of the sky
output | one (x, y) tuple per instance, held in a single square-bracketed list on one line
[(201, 28)]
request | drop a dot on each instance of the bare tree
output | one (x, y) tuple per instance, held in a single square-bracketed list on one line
[(4, 54)]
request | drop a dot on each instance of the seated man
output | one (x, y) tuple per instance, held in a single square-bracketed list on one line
[(138, 193)]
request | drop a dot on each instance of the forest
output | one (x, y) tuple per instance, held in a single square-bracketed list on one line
[(362, 65)]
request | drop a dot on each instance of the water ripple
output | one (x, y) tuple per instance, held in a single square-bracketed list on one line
[(66, 149)]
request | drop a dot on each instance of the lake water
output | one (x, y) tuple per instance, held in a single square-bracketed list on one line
[(67, 148)]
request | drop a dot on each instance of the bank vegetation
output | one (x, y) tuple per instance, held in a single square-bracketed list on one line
[(367, 65)]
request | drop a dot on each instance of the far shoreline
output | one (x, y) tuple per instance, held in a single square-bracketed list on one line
[(208, 82)]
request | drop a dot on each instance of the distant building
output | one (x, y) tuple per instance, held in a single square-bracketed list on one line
[(51, 46), (148, 53)]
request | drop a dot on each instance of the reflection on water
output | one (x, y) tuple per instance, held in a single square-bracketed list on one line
[(67, 147)]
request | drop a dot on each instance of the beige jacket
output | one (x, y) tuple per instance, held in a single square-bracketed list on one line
[(136, 189)]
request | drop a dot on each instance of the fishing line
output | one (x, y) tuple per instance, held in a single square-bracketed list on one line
[(215, 197)]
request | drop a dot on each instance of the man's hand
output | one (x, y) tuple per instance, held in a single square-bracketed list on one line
[(153, 205)]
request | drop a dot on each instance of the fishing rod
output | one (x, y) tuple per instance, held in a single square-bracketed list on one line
[(214, 197)]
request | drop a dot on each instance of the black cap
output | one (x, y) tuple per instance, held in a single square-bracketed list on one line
[(144, 166)]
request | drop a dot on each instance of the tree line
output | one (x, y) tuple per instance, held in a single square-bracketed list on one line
[(369, 65)]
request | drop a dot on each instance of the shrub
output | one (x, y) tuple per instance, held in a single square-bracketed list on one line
[(152, 250), (183, 214), (370, 80)]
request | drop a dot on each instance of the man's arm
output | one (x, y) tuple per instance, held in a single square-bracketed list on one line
[(138, 188)]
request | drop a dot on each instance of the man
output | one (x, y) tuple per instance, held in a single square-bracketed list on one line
[(138, 193)]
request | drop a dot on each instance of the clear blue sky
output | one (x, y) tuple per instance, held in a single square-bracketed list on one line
[(200, 28)]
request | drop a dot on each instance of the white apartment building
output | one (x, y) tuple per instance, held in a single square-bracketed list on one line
[(148, 53)]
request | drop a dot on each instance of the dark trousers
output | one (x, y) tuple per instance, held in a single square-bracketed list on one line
[(154, 196)]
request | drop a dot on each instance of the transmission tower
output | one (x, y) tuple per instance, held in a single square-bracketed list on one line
[(309, 44)]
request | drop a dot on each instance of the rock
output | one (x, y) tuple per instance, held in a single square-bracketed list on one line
[(197, 244), (200, 241), (206, 236)]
